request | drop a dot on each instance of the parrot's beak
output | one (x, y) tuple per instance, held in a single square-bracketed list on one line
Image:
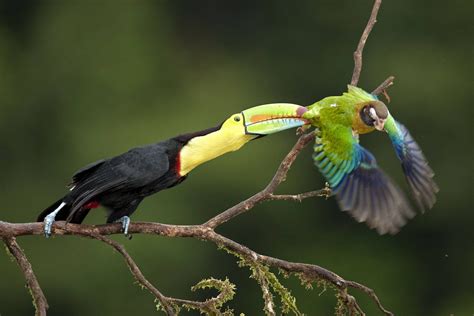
[(379, 124), (271, 118)]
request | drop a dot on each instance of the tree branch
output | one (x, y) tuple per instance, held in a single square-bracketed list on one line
[(39, 300), (203, 232), (308, 273), (326, 192), (8, 231), (383, 86), (363, 39), (135, 270)]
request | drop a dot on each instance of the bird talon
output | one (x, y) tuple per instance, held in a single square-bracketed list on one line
[(125, 220), (48, 224), (49, 220), (327, 191), (47, 234), (302, 129)]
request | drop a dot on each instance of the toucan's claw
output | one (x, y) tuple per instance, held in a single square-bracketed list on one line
[(125, 220), (49, 220), (48, 223)]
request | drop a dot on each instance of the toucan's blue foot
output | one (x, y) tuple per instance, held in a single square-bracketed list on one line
[(49, 220), (48, 223), (125, 220)]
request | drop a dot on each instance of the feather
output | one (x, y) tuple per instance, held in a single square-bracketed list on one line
[(417, 172), (360, 187)]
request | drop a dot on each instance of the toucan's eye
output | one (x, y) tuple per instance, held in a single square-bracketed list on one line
[(237, 118)]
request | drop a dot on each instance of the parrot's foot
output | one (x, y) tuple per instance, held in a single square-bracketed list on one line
[(326, 191), (49, 220), (125, 220), (302, 129)]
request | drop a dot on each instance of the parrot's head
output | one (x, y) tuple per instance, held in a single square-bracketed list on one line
[(374, 114)]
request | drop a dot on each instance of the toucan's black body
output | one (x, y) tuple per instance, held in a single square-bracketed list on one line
[(122, 182)]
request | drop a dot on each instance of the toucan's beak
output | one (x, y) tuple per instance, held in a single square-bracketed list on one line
[(271, 118)]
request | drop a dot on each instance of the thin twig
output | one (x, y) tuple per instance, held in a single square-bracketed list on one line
[(383, 86), (39, 300), (135, 270), (326, 192), (362, 41), (371, 293)]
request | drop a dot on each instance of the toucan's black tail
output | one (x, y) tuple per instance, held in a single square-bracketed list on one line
[(61, 216)]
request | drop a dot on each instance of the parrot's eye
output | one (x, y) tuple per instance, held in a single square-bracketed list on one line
[(373, 113), (237, 118), (366, 115)]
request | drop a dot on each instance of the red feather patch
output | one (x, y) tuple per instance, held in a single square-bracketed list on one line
[(92, 204)]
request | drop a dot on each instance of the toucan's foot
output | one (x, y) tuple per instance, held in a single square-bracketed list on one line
[(49, 220), (125, 220), (48, 223)]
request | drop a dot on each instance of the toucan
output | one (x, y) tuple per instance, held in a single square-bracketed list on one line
[(120, 183)]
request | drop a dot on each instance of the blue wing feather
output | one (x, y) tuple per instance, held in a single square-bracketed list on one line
[(363, 189), (418, 173)]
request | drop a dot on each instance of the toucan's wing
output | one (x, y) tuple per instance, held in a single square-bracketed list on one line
[(134, 169), (414, 164), (85, 171), (360, 186)]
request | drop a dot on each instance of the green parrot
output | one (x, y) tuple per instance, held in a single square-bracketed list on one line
[(360, 186)]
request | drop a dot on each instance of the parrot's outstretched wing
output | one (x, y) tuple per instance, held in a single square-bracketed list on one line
[(360, 186), (418, 173)]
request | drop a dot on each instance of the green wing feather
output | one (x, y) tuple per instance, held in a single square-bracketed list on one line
[(360, 187), (353, 96)]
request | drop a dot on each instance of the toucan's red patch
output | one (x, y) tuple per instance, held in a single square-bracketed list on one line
[(92, 204)]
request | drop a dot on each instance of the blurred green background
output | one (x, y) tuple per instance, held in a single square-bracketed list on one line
[(83, 80)]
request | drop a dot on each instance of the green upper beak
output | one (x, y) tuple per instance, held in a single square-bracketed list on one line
[(271, 118)]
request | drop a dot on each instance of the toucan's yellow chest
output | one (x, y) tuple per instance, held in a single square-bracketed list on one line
[(204, 148)]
